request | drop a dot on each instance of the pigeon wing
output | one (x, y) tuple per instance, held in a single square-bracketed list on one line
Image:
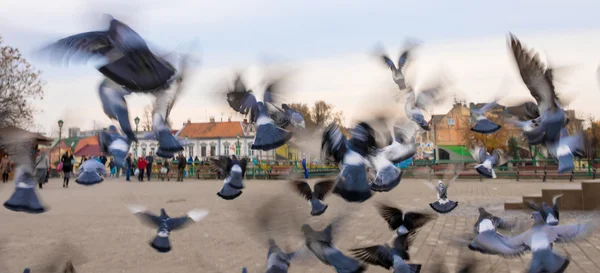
[(393, 216), (333, 143), (387, 61), (568, 233), (146, 217), (193, 216), (302, 188), (418, 219), (427, 98), (478, 153), (323, 188), (89, 44), (525, 111), (555, 204), (376, 255), (221, 165), (363, 140), (500, 157), (534, 75)]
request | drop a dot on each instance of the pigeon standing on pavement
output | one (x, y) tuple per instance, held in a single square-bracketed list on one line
[(233, 170), (484, 125), (486, 161), (549, 214), (90, 172), (165, 224), (351, 183), (320, 243), (314, 198), (443, 204), (389, 256), (403, 223)]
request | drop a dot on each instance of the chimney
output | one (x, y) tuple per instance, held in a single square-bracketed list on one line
[(212, 119), (245, 121), (189, 121)]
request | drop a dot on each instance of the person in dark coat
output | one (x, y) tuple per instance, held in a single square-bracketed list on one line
[(149, 162), (67, 160), (181, 163), (304, 167), (103, 159), (128, 166)]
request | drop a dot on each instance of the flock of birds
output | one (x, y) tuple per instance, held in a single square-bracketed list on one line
[(366, 159)]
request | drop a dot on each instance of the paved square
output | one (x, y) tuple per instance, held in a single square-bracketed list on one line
[(111, 240)]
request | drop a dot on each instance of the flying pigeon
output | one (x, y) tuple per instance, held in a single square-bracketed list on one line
[(314, 198), (129, 61), (538, 80), (398, 71), (486, 161), (24, 198), (403, 223), (164, 154), (531, 129), (351, 183), (415, 104), (115, 106), (268, 135), (389, 256), (484, 125), (91, 172), (540, 237), (549, 214), (320, 243), (233, 170), (115, 144), (403, 144), (498, 222), (443, 204), (277, 260), (165, 224), (489, 241), (565, 150)]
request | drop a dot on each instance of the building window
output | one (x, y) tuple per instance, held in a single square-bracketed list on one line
[(451, 121), (152, 150), (250, 151), (143, 150), (226, 148), (203, 150), (213, 150), (191, 150)]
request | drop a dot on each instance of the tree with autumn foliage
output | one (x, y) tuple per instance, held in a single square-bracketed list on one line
[(20, 83), (497, 140), (592, 136), (319, 115)]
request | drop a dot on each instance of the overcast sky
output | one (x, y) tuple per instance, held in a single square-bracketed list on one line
[(327, 44)]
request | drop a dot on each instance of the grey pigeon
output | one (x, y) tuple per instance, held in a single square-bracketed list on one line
[(166, 224), (389, 256), (115, 144), (489, 241), (234, 171), (415, 104), (484, 125), (115, 105), (565, 150), (283, 116), (351, 183), (398, 71), (486, 161), (403, 223), (268, 135), (24, 198), (314, 198), (320, 243), (538, 80), (498, 222), (549, 214), (531, 129), (540, 238), (403, 144), (90, 172), (443, 204), (277, 260), (129, 61)]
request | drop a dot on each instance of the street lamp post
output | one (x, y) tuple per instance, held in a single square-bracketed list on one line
[(60, 125), (237, 146), (135, 149)]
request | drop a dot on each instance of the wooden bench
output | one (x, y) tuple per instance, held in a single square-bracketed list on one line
[(543, 172), (280, 172)]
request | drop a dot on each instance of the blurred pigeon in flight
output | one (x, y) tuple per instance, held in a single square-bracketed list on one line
[(351, 183), (115, 144), (403, 144), (489, 241), (398, 71), (565, 150), (498, 222), (314, 198), (284, 116), (403, 223), (540, 238), (277, 260), (486, 161), (415, 104), (389, 256), (24, 198), (129, 61), (233, 170), (538, 80), (320, 243), (165, 224), (443, 204), (164, 154), (166, 140), (531, 130), (484, 125), (91, 172), (549, 214), (115, 106), (268, 135)]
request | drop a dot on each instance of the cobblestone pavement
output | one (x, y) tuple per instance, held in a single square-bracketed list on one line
[(111, 240)]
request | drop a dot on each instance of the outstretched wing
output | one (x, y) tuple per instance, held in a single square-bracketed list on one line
[(322, 188), (427, 98), (363, 139), (240, 99), (221, 165), (302, 188), (376, 255), (83, 45), (146, 217), (333, 143), (501, 158), (393, 216), (525, 111)]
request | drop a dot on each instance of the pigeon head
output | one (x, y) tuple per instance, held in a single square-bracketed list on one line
[(297, 120), (163, 212)]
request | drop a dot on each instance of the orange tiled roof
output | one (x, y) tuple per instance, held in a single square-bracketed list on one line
[(212, 129), (91, 140)]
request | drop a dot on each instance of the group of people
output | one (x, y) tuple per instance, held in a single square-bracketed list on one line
[(144, 164)]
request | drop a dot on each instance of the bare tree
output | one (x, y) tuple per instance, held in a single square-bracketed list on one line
[(19, 83), (304, 110), (147, 118)]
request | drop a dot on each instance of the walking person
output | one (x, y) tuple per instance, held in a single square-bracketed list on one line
[(113, 167), (103, 159), (42, 165), (67, 167), (149, 162), (141, 164), (5, 168), (128, 167), (304, 167), (181, 163)]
